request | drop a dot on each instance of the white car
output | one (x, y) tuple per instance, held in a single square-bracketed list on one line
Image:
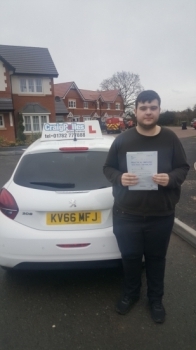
[(56, 209)]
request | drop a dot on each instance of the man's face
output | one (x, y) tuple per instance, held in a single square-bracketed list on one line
[(147, 114)]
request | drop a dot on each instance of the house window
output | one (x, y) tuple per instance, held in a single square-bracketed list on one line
[(85, 104), (117, 106), (108, 105), (23, 85), (70, 116), (30, 85), (97, 104), (86, 118), (76, 118), (44, 119), (27, 123), (2, 125), (72, 104), (34, 123), (38, 83), (60, 119)]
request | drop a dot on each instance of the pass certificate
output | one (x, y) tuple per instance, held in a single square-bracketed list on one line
[(144, 165)]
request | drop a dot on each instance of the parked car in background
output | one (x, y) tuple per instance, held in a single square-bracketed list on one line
[(129, 123), (192, 122)]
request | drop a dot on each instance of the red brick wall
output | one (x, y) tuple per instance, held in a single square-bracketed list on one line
[(8, 132), (19, 102), (92, 106), (46, 101)]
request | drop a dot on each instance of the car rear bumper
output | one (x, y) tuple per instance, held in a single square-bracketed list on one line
[(73, 265), (20, 244)]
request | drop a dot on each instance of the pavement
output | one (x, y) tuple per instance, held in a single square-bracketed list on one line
[(12, 150), (185, 216)]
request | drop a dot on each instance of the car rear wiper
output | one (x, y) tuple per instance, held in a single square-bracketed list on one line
[(53, 184)]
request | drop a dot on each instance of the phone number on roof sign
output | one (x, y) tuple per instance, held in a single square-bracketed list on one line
[(60, 127), (69, 135)]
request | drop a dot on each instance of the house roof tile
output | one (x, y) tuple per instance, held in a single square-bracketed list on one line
[(62, 89), (34, 108), (110, 95), (29, 60), (60, 107)]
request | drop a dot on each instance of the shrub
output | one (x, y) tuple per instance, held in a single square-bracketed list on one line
[(2, 141), (19, 142), (33, 137), (20, 129)]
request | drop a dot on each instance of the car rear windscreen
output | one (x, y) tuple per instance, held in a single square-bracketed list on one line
[(56, 171)]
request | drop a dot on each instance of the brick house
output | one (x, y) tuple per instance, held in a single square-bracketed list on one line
[(26, 88), (85, 104)]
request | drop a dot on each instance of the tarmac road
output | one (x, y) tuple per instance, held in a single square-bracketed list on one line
[(72, 310)]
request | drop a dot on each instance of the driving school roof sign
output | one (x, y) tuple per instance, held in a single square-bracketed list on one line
[(89, 129)]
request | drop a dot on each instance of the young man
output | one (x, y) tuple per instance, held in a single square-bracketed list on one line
[(143, 218)]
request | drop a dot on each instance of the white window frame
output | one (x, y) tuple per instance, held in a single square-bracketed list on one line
[(29, 85), (27, 121), (108, 105), (76, 118), (85, 105), (70, 116), (11, 119), (95, 116), (60, 118), (31, 119), (71, 103), (23, 85), (117, 105), (2, 122), (86, 118), (38, 85)]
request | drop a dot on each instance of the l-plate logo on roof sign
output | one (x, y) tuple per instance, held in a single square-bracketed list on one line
[(89, 129)]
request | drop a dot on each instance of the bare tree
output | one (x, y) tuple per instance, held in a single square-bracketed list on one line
[(128, 84)]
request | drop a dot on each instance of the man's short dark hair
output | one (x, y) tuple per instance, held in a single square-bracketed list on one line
[(147, 96)]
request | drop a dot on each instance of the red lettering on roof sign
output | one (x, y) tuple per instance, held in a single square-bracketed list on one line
[(69, 126), (91, 131)]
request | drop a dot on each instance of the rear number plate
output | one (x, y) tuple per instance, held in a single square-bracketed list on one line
[(70, 218)]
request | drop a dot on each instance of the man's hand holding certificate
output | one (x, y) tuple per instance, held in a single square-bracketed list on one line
[(142, 166), (161, 179)]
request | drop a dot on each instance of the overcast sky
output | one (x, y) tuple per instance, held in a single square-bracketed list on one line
[(90, 40)]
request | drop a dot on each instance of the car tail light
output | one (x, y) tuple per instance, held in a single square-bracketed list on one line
[(8, 204), (73, 149)]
